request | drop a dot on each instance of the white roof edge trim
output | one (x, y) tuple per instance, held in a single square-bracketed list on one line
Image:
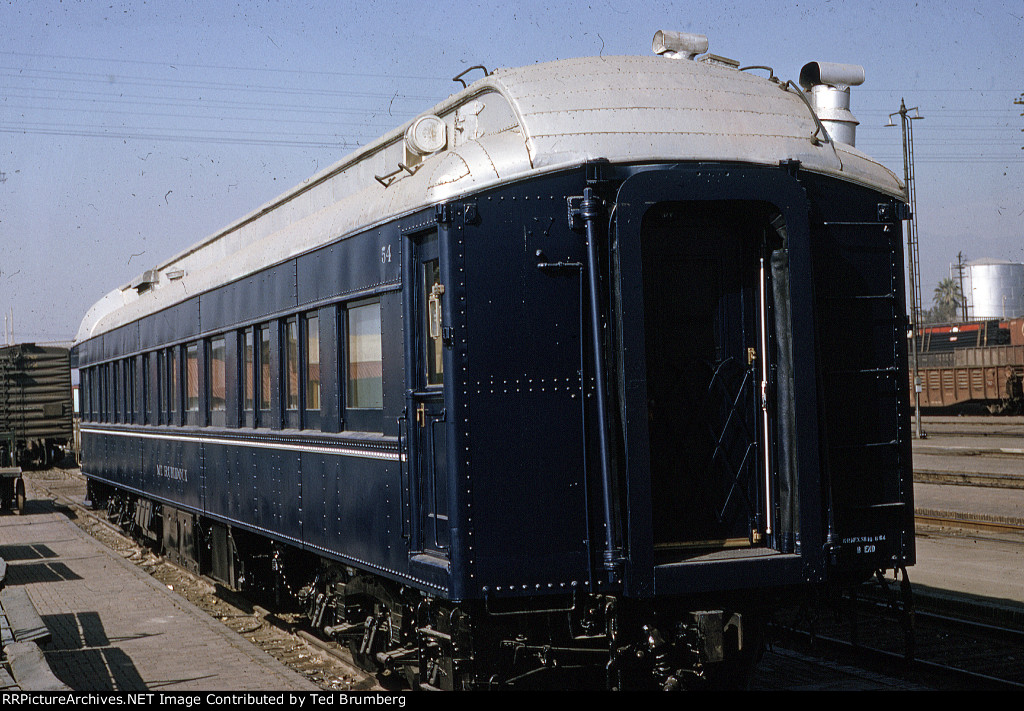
[(410, 193), (358, 156)]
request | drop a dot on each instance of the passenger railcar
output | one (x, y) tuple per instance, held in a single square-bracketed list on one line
[(560, 375)]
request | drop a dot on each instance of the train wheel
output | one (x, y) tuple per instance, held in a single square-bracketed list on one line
[(381, 648), (19, 496), (737, 671)]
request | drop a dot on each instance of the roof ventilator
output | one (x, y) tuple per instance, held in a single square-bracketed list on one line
[(829, 88), (679, 45), (145, 281)]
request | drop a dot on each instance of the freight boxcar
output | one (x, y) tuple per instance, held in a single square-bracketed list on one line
[(36, 427), (35, 403), (973, 365)]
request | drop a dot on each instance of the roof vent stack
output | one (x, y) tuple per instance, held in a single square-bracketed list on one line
[(829, 88), (679, 45)]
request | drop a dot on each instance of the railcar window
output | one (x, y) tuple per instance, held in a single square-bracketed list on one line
[(264, 396), (192, 377), (365, 365), (432, 342), (121, 391), (145, 389), (108, 387), (291, 360), (248, 375), (128, 377), (218, 380), (172, 385), (86, 380), (83, 385), (161, 388), (312, 363), (117, 388), (116, 392), (130, 389), (104, 391)]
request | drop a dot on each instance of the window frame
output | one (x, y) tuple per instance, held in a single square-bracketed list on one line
[(291, 365), (174, 391), (133, 390), (310, 386), (85, 385), (247, 376), (263, 390), (216, 416), (117, 392), (355, 417), (192, 403), (144, 381)]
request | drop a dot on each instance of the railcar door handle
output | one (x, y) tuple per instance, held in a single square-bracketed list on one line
[(421, 415), (434, 309)]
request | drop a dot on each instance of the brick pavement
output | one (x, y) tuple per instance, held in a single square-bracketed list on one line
[(116, 628)]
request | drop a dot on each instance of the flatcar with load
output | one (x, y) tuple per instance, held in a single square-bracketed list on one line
[(580, 372)]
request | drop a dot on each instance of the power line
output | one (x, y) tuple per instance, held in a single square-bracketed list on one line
[(205, 67), (226, 140), (120, 81)]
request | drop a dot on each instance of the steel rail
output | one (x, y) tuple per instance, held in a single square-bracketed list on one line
[(953, 520), (899, 665), (939, 476)]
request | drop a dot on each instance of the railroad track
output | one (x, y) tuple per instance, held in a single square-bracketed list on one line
[(944, 652), (279, 634), (784, 668), (994, 430), (999, 481), (968, 521), (948, 450)]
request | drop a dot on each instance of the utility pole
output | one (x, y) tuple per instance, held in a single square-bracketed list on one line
[(912, 259), (963, 298), (1020, 102)]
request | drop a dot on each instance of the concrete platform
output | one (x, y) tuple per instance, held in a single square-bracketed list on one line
[(115, 628), (989, 571)]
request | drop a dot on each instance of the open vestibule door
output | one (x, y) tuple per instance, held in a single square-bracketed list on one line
[(706, 365)]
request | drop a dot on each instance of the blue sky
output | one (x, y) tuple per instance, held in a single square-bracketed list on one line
[(130, 130)]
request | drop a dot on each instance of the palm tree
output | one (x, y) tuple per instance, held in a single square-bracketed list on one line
[(947, 300)]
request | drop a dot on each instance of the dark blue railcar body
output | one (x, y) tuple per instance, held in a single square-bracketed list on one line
[(404, 416)]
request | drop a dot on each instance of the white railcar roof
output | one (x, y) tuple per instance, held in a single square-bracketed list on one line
[(512, 125)]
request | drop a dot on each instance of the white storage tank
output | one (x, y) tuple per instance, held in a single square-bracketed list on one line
[(994, 289)]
